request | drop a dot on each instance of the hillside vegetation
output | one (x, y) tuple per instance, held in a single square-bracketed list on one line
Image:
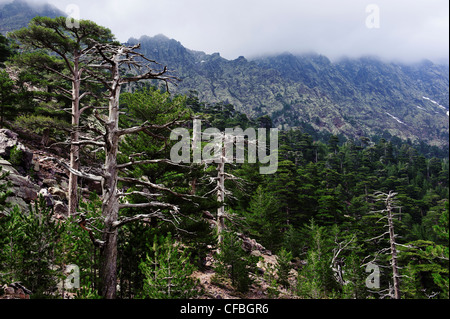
[(354, 97), (95, 203)]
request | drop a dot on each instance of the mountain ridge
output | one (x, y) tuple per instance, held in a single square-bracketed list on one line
[(353, 97), (356, 97)]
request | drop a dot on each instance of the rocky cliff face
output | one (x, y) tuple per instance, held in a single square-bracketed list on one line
[(355, 97), (31, 177)]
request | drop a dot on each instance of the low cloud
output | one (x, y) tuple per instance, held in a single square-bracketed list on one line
[(408, 30)]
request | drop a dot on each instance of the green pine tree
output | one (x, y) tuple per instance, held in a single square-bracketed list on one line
[(315, 280), (234, 263), (168, 271), (283, 267), (33, 249), (264, 219), (7, 97)]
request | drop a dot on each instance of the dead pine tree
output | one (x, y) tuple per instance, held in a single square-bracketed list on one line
[(111, 58), (336, 262), (72, 46), (219, 151), (221, 194), (219, 181), (388, 215)]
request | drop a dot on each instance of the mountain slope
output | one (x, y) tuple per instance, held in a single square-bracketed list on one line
[(355, 97), (18, 13), (368, 90)]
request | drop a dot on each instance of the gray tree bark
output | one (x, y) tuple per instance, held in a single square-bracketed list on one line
[(389, 201), (114, 56), (110, 58), (74, 137), (221, 193), (110, 205), (393, 246)]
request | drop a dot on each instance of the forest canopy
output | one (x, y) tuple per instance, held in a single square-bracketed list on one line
[(334, 208)]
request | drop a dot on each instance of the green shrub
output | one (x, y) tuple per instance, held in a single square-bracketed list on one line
[(32, 249), (168, 271), (235, 263), (16, 157), (283, 267)]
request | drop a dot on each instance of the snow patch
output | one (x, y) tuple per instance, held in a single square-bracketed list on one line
[(434, 102), (395, 118)]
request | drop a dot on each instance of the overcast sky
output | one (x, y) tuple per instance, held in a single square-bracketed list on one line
[(406, 30)]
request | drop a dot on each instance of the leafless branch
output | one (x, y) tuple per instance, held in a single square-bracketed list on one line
[(85, 224), (149, 161), (144, 194), (73, 171), (149, 204), (156, 186), (146, 126), (127, 220)]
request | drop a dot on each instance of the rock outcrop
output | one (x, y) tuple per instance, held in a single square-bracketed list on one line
[(15, 290), (31, 177), (11, 149), (24, 190)]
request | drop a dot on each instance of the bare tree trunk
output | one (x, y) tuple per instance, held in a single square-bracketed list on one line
[(221, 195), (389, 201), (110, 57), (74, 149), (110, 206), (394, 262)]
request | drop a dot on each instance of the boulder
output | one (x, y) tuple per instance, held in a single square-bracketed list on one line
[(251, 245), (15, 291), (50, 182), (60, 209), (57, 192), (9, 141), (24, 190)]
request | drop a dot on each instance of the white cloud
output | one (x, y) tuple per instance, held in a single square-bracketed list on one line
[(409, 30)]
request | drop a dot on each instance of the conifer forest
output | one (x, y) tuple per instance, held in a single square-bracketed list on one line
[(117, 184)]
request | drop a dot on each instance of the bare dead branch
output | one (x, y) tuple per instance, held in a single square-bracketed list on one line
[(134, 218), (149, 204), (73, 171), (149, 161), (144, 194), (156, 186), (146, 126), (83, 222)]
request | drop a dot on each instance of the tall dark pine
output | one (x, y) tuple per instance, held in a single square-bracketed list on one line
[(72, 44)]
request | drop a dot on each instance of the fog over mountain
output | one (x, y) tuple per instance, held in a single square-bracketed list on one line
[(355, 97), (401, 30), (16, 14)]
